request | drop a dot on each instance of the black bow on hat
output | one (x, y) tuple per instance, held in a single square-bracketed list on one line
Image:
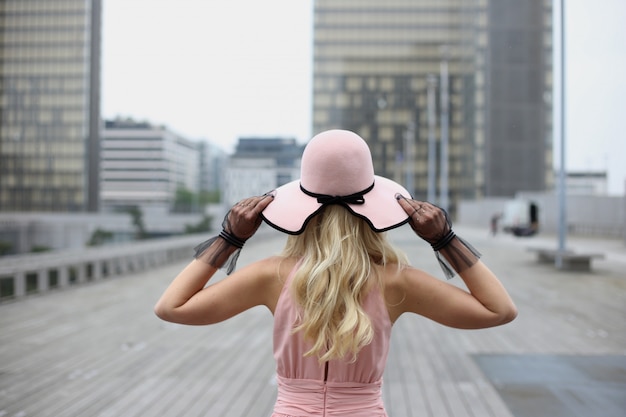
[(325, 199)]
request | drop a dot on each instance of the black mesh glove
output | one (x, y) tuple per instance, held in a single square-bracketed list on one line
[(432, 224), (239, 225)]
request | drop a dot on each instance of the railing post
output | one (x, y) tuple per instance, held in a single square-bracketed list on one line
[(19, 282), (43, 283), (81, 271), (64, 278), (96, 270)]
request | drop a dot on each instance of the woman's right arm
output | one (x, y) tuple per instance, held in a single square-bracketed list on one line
[(485, 302)]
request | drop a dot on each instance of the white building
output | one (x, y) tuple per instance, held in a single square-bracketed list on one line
[(246, 177), (213, 161), (143, 165), (259, 165), (587, 183)]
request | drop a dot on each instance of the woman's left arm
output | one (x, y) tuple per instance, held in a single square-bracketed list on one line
[(181, 301), (188, 301)]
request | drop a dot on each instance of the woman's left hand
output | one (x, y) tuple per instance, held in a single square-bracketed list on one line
[(428, 221), (244, 218)]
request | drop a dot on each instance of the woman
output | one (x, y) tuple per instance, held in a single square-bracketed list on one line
[(339, 285)]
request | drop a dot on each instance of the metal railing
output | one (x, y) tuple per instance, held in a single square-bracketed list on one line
[(22, 275)]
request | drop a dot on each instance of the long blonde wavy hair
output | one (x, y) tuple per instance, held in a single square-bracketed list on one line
[(338, 251)]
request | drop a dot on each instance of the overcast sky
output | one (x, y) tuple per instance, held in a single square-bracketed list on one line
[(222, 70)]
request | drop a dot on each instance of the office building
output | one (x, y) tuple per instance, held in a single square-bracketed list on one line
[(144, 166), (212, 165), (587, 183), (471, 77), (49, 105)]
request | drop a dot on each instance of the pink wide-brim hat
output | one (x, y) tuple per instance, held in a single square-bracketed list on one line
[(336, 168)]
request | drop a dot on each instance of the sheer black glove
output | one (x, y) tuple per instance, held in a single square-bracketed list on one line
[(432, 224), (239, 225)]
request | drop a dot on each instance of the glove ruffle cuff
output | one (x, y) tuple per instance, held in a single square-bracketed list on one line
[(221, 252), (454, 254)]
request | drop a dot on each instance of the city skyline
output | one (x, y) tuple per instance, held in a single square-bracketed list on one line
[(259, 82)]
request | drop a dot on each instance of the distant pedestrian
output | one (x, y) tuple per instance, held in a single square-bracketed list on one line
[(494, 223), (339, 285)]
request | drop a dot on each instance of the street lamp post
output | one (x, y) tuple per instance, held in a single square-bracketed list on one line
[(562, 185), (431, 85), (409, 139), (443, 166)]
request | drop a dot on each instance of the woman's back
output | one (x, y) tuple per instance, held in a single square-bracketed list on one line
[(335, 387)]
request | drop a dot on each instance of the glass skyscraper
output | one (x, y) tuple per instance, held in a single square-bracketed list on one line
[(378, 65), (49, 105)]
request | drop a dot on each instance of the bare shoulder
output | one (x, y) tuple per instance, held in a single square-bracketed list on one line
[(273, 267), (393, 289), (403, 286), (400, 277), (272, 274)]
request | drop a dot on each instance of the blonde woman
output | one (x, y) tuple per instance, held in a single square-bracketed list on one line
[(339, 285)]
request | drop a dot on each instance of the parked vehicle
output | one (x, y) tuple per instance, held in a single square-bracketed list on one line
[(521, 218)]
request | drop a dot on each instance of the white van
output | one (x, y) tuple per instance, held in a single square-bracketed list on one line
[(520, 217)]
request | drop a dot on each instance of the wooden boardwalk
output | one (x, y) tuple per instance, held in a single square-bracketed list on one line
[(98, 350)]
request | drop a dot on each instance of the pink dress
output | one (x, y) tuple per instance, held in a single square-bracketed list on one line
[(349, 389)]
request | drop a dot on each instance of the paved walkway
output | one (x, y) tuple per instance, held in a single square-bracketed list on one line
[(98, 350)]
